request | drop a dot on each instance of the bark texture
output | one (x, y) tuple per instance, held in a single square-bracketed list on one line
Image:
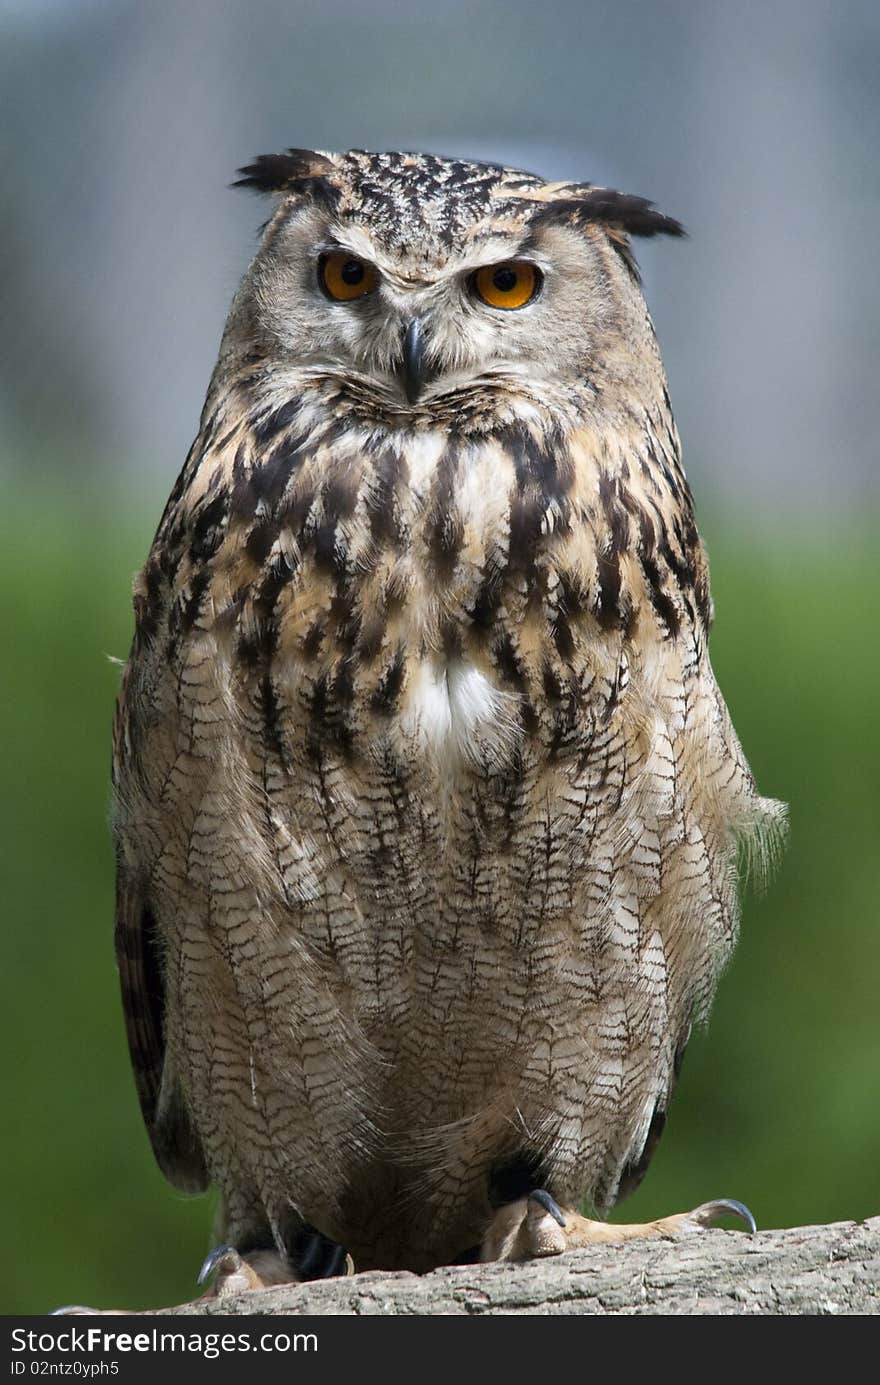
[(803, 1270)]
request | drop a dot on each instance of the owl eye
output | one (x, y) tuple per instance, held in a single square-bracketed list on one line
[(509, 285), (344, 278)]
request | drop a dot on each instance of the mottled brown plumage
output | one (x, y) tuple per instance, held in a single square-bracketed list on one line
[(427, 802)]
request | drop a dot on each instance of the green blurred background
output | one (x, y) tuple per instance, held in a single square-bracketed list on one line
[(122, 248)]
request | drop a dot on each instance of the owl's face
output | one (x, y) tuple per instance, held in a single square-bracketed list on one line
[(415, 281)]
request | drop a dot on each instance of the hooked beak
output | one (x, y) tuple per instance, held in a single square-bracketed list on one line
[(414, 371)]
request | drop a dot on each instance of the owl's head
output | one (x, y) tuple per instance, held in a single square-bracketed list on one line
[(417, 284)]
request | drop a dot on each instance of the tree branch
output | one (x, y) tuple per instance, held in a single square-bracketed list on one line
[(807, 1269)]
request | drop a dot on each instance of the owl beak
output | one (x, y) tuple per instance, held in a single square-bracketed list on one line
[(414, 370)]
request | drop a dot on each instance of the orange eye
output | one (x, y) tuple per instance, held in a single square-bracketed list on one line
[(344, 278), (510, 285)]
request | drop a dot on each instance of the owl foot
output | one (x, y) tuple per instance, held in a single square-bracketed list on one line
[(536, 1226), (234, 1273)]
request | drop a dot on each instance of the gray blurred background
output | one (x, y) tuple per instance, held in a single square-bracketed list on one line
[(758, 125)]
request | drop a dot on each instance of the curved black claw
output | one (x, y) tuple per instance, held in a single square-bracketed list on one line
[(544, 1200), (215, 1258), (709, 1213)]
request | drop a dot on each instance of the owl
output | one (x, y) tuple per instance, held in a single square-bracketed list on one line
[(427, 805)]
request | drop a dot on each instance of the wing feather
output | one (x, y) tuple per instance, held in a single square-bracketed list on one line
[(175, 1144), (141, 977)]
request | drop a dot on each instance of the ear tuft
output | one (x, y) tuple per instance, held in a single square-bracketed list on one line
[(288, 172), (618, 211), (634, 215)]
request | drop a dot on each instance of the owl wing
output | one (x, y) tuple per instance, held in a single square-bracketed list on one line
[(175, 1143)]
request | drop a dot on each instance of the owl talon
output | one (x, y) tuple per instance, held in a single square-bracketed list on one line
[(545, 1201), (213, 1260), (710, 1213), (233, 1274)]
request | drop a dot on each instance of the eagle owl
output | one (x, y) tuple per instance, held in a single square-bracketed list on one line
[(427, 804)]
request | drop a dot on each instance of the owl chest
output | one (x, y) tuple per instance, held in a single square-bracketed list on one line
[(401, 624)]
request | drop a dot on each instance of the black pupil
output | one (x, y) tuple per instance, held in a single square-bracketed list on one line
[(352, 272), (505, 279)]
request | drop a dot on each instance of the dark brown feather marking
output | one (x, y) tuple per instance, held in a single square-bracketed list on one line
[(444, 527), (387, 693)]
